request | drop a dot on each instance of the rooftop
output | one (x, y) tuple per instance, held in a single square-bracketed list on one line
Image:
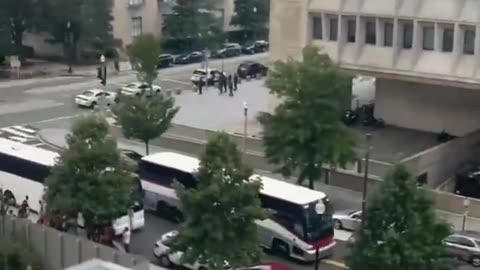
[(27, 152)]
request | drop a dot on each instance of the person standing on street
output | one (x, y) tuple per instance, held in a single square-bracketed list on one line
[(235, 81), (200, 85), (126, 239), (230, 84), (225, 82)]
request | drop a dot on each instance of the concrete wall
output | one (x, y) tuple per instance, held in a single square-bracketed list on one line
[(442, 161), (41, 46), (427, 107), (58, 250)]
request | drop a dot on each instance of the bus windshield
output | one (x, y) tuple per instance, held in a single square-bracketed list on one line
[(318, 224)]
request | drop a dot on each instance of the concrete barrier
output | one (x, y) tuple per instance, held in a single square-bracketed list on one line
[(58, 250), (440, 162)]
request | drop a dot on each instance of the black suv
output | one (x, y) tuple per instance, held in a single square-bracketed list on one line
[(188, 58), (165, 60), (229, 50), (251, 69), (258, 46)]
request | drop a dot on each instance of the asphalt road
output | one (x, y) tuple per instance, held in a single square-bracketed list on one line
[(46, 103)]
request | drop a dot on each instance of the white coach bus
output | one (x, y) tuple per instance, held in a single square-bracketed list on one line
[(301, 220), (23, 170)]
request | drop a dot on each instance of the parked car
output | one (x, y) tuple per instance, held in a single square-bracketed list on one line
[(251, 69), (464, 246), (93, 97), (167, 258), (256, 47), (210, 75), (228, 50), (267, 266), (165, 60), (188, 58), (139, 89), (350, 220)]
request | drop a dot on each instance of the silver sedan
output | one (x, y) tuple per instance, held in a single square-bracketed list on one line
[(349, 220)]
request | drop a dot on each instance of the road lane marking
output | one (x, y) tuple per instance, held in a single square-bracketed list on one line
[(17, 133), (18, 139), (175, 81), (24, 129), (342, 235), (335, 263)]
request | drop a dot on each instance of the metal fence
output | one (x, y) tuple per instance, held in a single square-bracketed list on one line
[(58, 250)]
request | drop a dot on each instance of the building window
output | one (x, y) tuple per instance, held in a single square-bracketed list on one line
[(447, 42), (136, 26), (317, 28), (469, 41), (407, 35), (388, 34), (428, 37), (351, 30), (333, 29), (370, 32)]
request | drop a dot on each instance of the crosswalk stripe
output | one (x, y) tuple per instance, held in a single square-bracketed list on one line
[(24, 129), (17, 133), (335, 263), (18, 139)]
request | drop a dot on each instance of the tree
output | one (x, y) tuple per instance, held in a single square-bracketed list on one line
[(143, 53), (90, 177), (305, 131), (402, 231), (146, 119), (79, 24), (251, 15), (16, 16), (221, 210), (192, 20)]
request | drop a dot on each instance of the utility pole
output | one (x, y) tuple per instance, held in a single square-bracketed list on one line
[(102, 75), (245, 122), (365, 179)]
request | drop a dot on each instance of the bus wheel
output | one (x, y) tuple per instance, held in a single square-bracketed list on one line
[(280, 248), (162, 209), (9, 198)]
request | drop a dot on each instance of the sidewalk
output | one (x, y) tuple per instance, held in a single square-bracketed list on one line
[(152, 266)]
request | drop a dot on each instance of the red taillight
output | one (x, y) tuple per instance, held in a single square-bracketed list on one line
[(322, 242)]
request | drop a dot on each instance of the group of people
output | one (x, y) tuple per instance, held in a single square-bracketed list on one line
[(224, 82)]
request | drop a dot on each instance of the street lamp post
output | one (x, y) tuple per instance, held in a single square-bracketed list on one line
[(70, 46), (104, 73), (254, 30), (466, 203), (245, 120), (365, 179)]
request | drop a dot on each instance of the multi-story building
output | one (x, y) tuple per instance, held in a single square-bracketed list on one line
[(135, 17), (424, 53), (130, 18)]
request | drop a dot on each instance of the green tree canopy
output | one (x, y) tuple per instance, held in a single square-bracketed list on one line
[(90, 23), (90, 177), (305, 131), (143, 53), (402, 231), (220, 212), (251, 15), (193, 19), (17, 16), (146, 119)]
